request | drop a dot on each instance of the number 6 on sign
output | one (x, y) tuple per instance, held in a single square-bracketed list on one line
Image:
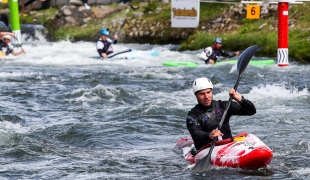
[(253, 12)]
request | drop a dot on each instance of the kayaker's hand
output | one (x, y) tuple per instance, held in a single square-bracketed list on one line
[(235, 95), (211, 61), (103, 55), (215, 133)]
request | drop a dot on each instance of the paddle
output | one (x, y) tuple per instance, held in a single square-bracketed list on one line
[(5, 20), (117, 32), (244, 59), (112, 55)]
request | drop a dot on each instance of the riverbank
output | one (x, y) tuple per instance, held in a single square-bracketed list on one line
[(150, 23)]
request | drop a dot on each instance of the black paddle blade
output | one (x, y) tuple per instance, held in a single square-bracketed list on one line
[(245, 58), (121, 26), (205, 163), (112, 55)]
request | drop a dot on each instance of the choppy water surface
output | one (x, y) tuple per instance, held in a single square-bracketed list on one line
[(66, 115)]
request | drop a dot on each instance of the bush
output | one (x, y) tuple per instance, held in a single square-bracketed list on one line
[(151, 6)]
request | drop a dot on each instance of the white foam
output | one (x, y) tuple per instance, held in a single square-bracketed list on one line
[(8, 131), (303, 173), (277, 91), (93, 94)]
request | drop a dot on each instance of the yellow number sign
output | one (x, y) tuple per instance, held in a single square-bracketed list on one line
[(3, 1), (253, 12)]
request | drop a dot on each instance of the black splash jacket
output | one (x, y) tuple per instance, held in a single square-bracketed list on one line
[(201, 120)]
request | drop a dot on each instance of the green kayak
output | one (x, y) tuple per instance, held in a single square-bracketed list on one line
[(175, 64), (253, 62), (264, 62)]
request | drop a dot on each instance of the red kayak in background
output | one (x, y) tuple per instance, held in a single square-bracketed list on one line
[(245, 151)]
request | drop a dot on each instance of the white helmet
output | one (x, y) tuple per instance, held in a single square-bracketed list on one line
[(202, 83), (208, 51), (6, 37)]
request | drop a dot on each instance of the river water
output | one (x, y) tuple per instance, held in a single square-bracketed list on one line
[(66, 115)]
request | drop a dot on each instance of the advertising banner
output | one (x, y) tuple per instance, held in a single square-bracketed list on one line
[(185, 13)]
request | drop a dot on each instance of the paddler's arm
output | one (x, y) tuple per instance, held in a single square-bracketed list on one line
[(115, 39), (229, 55), (6, 33), (243, 107), (18, 53), (199, 136), (100, 47), (101, 53), (211, 59)]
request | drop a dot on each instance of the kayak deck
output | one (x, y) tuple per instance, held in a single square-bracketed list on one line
[(252, 62), (175, 64), (246, 151), (192, 64)]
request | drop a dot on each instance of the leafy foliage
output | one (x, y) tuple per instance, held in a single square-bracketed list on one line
[(45, 14), (151, 6)]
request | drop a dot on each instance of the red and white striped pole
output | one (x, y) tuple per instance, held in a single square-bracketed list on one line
[(282, 33)]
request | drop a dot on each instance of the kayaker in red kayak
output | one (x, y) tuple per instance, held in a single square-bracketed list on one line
[(204, 118)]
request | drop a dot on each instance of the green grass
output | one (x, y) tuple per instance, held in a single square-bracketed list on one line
[(73, 34), (151, 6), (209, 10), (46, 13), (299, 44)]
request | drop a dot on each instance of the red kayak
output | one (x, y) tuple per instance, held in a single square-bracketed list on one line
[(245, 151)]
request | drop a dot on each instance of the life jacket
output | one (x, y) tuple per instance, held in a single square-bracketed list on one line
[(107, 48)]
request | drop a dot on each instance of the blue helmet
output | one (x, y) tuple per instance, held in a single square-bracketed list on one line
[(104, 31), (218, 40)]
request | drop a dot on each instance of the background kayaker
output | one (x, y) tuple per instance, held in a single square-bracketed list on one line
[(203, 120), (104, 44), (212, 54), (5, 47)]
